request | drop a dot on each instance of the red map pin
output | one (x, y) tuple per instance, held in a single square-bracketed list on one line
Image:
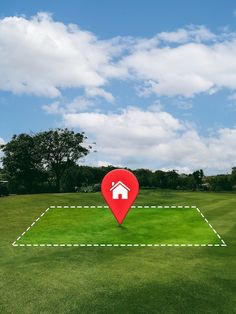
[(120, 188)]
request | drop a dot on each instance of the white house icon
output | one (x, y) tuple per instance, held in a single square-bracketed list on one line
[(119, 189)]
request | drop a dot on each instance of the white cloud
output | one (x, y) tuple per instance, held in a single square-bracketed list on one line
[(76, 105), (186, 69), (190, 33), (103, 163), (137, 138), (94, 91), (53, 108), (41, 56)]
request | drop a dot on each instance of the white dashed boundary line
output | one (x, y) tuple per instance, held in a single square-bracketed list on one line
[(119, 244)]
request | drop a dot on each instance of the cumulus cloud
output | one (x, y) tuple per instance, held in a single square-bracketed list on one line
[(41, 56), (187, 69), (94, 91), (76, 105), (155, 139), (190, 33), (53, 108)]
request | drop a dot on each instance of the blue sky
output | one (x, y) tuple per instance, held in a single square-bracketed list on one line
[(152, 82)]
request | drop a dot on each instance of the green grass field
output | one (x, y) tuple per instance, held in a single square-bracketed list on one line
[(118, 279), (96, 226)]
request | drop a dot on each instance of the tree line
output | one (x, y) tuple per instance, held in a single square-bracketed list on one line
[(48, 162)]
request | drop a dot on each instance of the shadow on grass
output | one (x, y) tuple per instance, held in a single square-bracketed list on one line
[(112, 295)]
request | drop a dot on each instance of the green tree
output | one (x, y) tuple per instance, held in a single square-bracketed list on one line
[(145, 177), (187, 182), (159, 179), (198, 177), (21, 163), (233, 177), (220, 182), (172, 178), (60, 149)]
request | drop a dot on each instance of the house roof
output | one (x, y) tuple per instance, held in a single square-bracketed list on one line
[(119, 183)]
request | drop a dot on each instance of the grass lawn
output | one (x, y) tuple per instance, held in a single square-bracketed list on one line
[(142, 226), (118, 279)]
